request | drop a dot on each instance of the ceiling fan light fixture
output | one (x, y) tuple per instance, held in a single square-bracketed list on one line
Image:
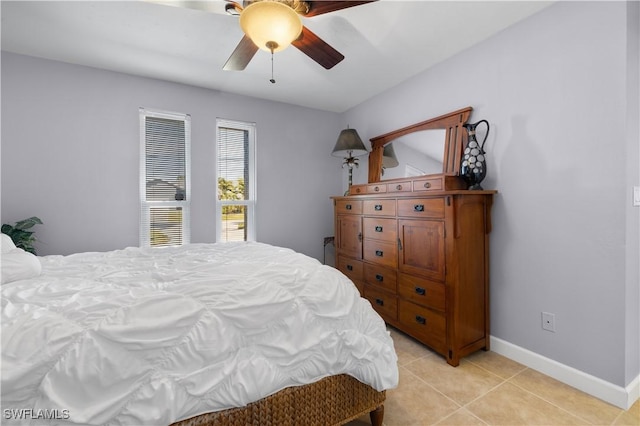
[(272, 26)]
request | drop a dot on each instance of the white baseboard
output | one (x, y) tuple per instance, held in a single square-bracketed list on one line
[(616, 395)]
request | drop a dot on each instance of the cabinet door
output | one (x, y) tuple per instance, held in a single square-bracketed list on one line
[(349, 235), (422, 250)]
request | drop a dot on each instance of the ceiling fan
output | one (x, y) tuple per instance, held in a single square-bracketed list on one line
[(272, 25)]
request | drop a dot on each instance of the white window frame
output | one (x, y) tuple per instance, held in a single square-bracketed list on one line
[(252, 201), (145, 205)]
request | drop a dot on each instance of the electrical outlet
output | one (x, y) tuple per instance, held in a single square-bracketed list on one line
[(549, 321), (636, 196)]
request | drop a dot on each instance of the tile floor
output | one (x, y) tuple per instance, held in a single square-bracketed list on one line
[(486, 389)]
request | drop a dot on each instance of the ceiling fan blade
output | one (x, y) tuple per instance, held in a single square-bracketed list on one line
[(317, 49), (241, 56), (318, 7), (233, 8)]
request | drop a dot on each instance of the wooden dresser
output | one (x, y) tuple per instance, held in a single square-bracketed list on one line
[(421, 257)]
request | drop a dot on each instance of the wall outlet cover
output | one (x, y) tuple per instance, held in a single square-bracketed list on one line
[(549, 321)]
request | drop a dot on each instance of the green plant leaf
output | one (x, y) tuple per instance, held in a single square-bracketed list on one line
[(20, 236), (28, 223)]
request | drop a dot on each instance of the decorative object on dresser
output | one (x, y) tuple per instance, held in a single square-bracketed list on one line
[(418, 247), (473, 168), (349, 146)]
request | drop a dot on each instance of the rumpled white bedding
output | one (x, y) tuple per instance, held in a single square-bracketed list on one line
[(152, 336)]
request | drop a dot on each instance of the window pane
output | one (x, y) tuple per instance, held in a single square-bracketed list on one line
[(234, 223), (233, 164), (165, 159), (165, 226), (236, 181)]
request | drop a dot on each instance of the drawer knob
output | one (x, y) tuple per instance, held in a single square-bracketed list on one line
[(379, 278), (379, 253), (427, 184), (421, 291), (357, 190), (379, 302), (347, 207), (378, 228), (378, 207), (418, 207), (421, 320), (377, 189), (399, 187), (349, 267)]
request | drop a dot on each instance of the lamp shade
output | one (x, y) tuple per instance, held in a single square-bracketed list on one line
[(270, 25), (349, 144), (389, 158)]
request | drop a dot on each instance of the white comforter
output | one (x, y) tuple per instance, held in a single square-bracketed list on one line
[(152, 336)]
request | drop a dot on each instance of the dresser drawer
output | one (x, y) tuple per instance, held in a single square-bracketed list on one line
[(349, 206), (384, 303), (399, 186), (351, 268), (421, 207), (357, 189), (379, 207), (380, 229), (376, 188), (381, 252), (381, 277), (424, 324), (430, 184), (422, 291)]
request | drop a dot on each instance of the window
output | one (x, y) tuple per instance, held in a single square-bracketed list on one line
[(236, 177), (165, 194)]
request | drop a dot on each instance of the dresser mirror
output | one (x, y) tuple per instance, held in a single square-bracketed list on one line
[(416, 154), (431, 147)]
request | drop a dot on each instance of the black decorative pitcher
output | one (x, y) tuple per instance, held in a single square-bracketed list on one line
[(473, 167)]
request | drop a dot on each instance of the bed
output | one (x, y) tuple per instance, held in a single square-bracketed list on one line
[(203, 334)]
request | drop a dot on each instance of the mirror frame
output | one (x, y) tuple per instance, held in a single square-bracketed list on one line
[(452, 122)]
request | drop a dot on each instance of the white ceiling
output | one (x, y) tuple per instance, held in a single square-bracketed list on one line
[(384, 43)]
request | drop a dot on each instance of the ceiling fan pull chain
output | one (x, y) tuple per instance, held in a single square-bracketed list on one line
[(272, 45), (272, 80)]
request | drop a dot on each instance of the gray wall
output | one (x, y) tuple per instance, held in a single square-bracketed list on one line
[(632, 297), (70, 155), (563, 154)]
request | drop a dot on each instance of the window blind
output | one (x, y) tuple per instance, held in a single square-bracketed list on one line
[(165, 159), (233, 164), (165, 195)]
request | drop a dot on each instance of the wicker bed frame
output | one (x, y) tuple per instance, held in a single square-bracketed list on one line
[(334, 400)]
